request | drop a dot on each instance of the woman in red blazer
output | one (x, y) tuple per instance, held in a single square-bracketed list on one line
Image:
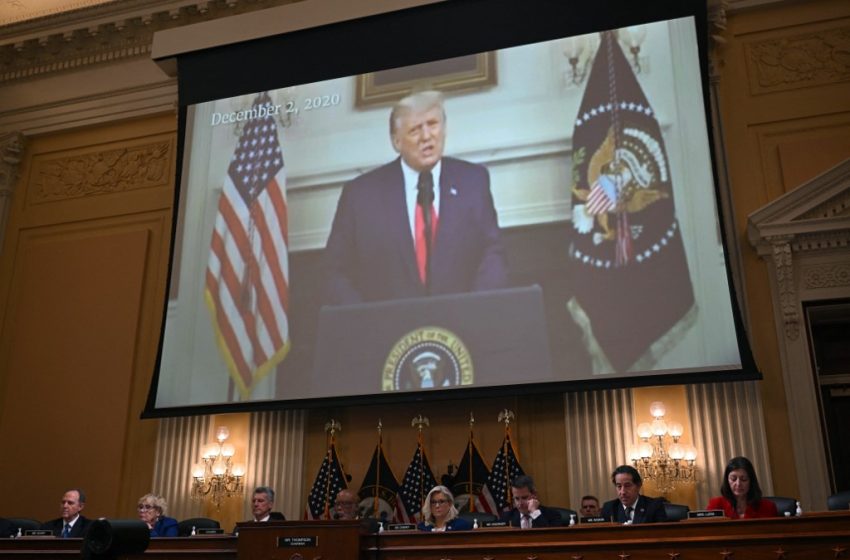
[(741, 493)]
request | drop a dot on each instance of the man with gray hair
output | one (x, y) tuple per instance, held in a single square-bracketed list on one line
[(423, 224), (262, 503)]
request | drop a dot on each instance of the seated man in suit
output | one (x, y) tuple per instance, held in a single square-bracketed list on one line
[(589, 506), (71, 524), (262, 503), (422, 224), (345, 505), (630, 506), (527, 512)]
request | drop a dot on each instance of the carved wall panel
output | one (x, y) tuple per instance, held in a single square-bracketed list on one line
[(104, 171), (814, 58)]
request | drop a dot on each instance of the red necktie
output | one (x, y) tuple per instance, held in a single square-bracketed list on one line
[(425, 181)]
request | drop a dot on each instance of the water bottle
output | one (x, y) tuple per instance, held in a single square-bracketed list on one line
[(799, 510)]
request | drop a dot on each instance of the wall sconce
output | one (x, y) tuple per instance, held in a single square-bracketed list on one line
[(579, 52), (216, 476), (632, 38), (656, 458)]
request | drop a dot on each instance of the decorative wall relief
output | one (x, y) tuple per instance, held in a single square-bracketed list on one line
[(109, 171), (804, 60), (832, 275)]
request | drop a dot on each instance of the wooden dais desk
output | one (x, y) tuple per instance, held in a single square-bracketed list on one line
[(813, 536)]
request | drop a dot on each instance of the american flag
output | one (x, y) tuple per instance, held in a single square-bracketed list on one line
[(329, 481), (417, 482), (247, 280), (471, 479), (505, 468), (602, 196)]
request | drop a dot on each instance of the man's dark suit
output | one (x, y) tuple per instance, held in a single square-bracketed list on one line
[(370, 254), (547, 518), (77, 531), (7, 529), (647, 510)]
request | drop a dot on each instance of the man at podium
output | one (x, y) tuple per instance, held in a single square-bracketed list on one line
[(422, 224)]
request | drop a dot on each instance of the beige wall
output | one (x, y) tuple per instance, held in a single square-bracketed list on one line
[(84, 263), (785, 107)]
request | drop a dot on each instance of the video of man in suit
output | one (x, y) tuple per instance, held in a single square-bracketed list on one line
[(537, 214)]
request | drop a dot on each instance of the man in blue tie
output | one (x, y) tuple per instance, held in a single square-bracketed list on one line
[(71, 524)]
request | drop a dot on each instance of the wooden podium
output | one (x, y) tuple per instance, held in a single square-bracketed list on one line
[(287, 540)]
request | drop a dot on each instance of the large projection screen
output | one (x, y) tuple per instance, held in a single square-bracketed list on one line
[(577, 240)]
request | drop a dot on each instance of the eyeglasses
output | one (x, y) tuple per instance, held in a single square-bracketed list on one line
[(439, 502), (523, 498), (144, 507)]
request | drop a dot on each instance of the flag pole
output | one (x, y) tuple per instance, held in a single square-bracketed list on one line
[(419, 423), (330, 428), (506, 416), (378, 455), (469, 450)]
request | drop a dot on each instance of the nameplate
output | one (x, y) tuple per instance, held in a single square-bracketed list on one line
[(209, 531), (38, 533), (593, 520), (297, 542), (495, 523), (401, 527), (705, 513)]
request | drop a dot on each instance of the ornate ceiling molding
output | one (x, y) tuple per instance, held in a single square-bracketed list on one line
[(103, 33)]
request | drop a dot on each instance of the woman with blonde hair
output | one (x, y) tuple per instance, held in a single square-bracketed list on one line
[(440, 514), (151, 510)]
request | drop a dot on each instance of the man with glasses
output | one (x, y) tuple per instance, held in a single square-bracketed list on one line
[(71, 524), (527, 512), (345, 505), (630, 507)]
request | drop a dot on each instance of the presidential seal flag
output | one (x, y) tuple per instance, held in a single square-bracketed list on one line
[(379, 488), (469, 483), (329, 481), (505, 468), (417, 482), (247, 278), (633, 296)]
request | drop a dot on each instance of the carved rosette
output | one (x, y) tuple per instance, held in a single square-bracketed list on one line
[(832, 275), (783, 263)]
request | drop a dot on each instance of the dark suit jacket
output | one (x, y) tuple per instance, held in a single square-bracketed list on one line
[(547, 518), (7, 528), (370, 254), (456, 524), (647, 510), (77, 531)]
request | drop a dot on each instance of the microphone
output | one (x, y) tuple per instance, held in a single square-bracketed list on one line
[(336, 515)]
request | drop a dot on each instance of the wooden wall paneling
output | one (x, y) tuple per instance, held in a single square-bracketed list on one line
[(82, 278), (779, 72)]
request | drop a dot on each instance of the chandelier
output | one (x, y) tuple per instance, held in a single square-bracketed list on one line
[(216, 477), (660, 457)]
